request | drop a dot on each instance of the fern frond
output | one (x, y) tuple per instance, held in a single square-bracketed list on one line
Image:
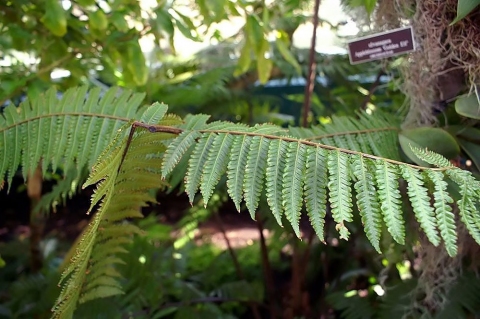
[(292, 192), (69, 131), (469, 198), (368, 205), (124, 178), (389, 196), (299, 170), (443, 212), (340, 191), (469, 194)]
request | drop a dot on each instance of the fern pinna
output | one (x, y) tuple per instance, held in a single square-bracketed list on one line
[(292, 171)]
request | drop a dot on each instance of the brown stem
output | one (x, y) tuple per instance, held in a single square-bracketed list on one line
[(37, 219), (295, 293), (236, 264), (374, 86), (312, 65), (267, 270), (238, 268)]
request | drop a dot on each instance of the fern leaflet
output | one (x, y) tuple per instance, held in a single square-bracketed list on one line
[(215, 165), (275, 167), (443, 212), (419, 199), (389, 195), (292, 192), (236, 168), (368, 205), (340, 191), (315, 191), (255, 171), (196, 164)]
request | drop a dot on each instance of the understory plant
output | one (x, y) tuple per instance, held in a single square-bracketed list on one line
[(333, 172)]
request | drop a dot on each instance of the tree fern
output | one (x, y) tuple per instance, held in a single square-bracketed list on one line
[(124, 174), (296, 170)]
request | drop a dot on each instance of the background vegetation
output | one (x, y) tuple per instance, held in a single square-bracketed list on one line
[(195, 262)]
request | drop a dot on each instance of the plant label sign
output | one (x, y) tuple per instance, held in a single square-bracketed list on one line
[(381, 45)]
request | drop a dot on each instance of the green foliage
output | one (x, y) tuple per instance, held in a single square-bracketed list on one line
[(69, 132), (468, 106), (376, 182), (464, 7), (121, 192), (295, 170), (461, 299), (376, 135)]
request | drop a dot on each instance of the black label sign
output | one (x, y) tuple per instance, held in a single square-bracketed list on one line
[(381, 45)]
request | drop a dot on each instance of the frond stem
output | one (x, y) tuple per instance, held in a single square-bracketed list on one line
[(173, 130), (318, 137)]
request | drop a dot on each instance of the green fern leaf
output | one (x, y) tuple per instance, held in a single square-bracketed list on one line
[(420, 201), (196, 164), (121, 192), (340, 191), (70, 132), (443, 212), (154, 113), (292, 184), (254, 172), (101, 292), (469, 213), (431, 157), (275, 168), (466, 204), (195, 122), (176, 149), (215, 165), (268, 129), (368, 205), (389, 195), (315, 190), (236, 168)]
